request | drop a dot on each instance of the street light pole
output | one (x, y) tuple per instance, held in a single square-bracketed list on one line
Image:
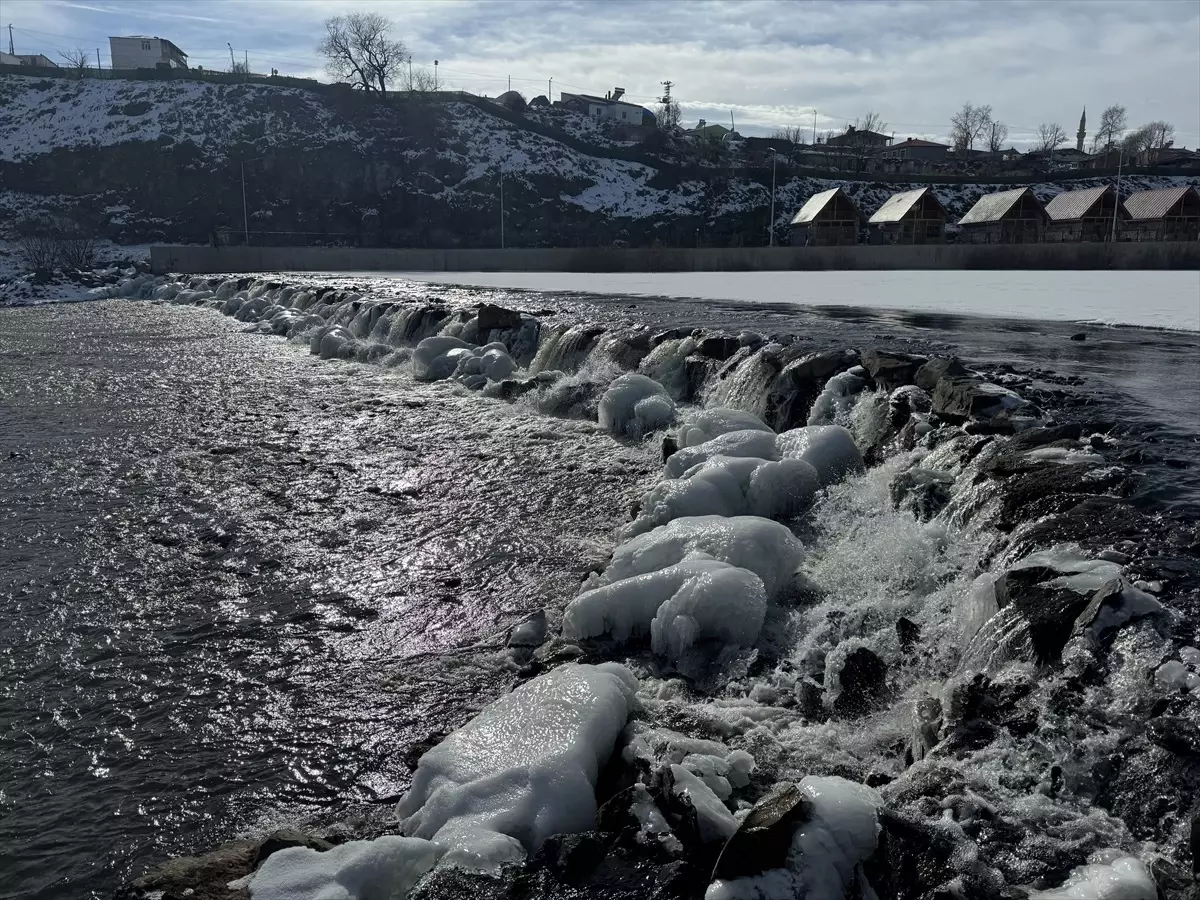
[(502, 207), (550, 89), (245, 216), (1117, 205), (774, 159)]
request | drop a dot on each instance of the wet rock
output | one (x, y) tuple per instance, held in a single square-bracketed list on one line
[(572, 857), (958, 398), (801, 381), (927, 376), (531, 632), (197, 877), (764, 838), (288, 837), (918, 861), (718, 347), (1114, 605), (863, 682), (908, 632), (923, 492), (1079, 336), (926, 728), (891, 370), (492, 317), (669, 446)]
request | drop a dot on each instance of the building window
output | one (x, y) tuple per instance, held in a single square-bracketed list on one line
[(145, 45)]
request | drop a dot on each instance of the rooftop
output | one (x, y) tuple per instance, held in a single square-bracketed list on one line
[(992, 207), (817, 202), (1155, 204), (897, 206), (1071, 205)]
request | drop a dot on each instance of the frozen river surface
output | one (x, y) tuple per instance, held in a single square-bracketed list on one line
[(1148, 299)]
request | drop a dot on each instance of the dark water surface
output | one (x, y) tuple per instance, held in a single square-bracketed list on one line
[(237, 583)]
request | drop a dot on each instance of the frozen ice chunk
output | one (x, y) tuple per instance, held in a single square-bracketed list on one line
[(841, 832), (766, 548), (497, 364), (635, 405), (1079, 573), (714, 818), (837, 399), (730, 486), (525, 767), (431, 360), (706, 424), (1124, 878), (830, 449), (754, 443), (382, 869), (699, 598)]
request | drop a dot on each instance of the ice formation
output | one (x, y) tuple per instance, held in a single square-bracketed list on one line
[(1109, 875), (837, 398), (382, 869), (830, 449), (706, 424), (635, 405), (743, 443), (715, 820), (436, 358), (840, 833), (523, 769)]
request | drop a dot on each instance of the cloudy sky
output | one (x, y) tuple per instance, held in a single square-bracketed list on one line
[(769, 63)]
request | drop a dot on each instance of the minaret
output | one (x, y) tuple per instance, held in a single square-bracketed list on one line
[(1082, 131)]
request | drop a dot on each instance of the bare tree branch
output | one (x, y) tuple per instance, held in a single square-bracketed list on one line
[(1112, 126), (968, 125), (78, 60), (997, 135), (793, 133), (1050, 136), (358, 48), (668, 115)]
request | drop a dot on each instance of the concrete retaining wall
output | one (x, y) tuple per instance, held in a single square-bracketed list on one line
[(1148, 255)]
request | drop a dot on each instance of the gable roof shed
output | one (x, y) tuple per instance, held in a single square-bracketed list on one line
[(1146, 205), (994, 207), (817, 203), (1070, 206), (897, 206)]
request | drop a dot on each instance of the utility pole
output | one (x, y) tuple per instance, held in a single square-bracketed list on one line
[(502, 206), (550, 89), (510, 82), (774, 158), (247, 52), (232, 64), (435, 76), (814, 128), (11, 51), (97, 59), (1117, 205)]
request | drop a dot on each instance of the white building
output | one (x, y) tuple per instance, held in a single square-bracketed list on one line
[(141, 52), (27, 59), (607, 107)]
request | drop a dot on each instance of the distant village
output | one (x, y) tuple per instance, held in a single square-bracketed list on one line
[(831, 217)]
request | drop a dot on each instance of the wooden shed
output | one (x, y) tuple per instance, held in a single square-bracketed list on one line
[(911, 217), (1085, 215), (1008, 217), (1168, 214), (828, 219)]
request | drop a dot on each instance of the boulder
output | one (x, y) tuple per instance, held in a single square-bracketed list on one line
[(572, 857), (863, 682), (928, 375), (958, 398), (197, 877), (493, 317), (891, 370), (764, 838), (719, 347), (288, 837), (801, 381)]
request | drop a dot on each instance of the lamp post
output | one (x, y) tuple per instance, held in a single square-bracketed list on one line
[(1117, 204), (501, 206), (771, 225), (550, 89), (245, 213)]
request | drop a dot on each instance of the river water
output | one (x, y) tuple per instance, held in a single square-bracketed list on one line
[(239, 582)]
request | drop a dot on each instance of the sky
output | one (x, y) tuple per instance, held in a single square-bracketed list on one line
[(769, 64)]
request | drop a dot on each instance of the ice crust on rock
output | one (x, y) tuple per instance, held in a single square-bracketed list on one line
[(744, 443), (1108, 876), (523, 769), (385, 868), (830, 449), (714, 818), (841, 831), (635, 405), (443, 356), (704, 425)]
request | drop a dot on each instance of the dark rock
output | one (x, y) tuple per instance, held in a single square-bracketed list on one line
[(1115, 604), (1176, 734), (492, 317), (1079, 336), (800, 381), (615, 814), (808, 699), (909, 632), (864, 683), (764, 838), (923, 492), (927, 376), (679, 880), (916, 861), (718, 347), (957, 398), (669, 446), (412, 756), (197, 877), (288, 837), (572, 856), (891, 370), (671, 334)]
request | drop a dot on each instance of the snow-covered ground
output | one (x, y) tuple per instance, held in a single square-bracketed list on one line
[(1148, 299)]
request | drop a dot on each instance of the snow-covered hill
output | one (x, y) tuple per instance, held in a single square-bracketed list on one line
[(155, 160)]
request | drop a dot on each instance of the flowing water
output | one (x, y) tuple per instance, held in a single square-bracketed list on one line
[(240, 582)]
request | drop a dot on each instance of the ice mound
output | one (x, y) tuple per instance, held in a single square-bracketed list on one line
[(523, 769), (766, 548), (830, 449), (1109, 876), (715, 821), (635, 405), (730, 486), (706, 424), (383, 869), (699, 598), (436, 358), (841, 831), (754, 443), (837, 399)]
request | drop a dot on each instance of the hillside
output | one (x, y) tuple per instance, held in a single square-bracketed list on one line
[(159, 160)]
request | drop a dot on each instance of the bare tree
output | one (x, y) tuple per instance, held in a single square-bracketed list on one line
[(1150, 137), (968, 125), (240, 68), (417, 81), (1112, 126), (1050, 136), (358, 48), (668, 114), (997, 135), (78, 60), (859, 137), (792, 133)]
